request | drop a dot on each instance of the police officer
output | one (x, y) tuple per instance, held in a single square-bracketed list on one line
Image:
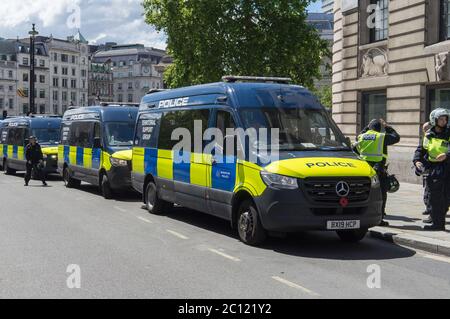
[(372, 146), (433, 156), (35, 160), (425, 128)]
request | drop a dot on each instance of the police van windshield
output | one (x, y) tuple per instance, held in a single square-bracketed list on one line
[(299, 128), (46, 135), (119, 134)]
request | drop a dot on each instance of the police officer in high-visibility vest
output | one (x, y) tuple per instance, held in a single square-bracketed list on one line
[(372, 146), (433, 157)]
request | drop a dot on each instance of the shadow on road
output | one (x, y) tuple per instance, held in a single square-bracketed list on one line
[(324, 245), (402, 218), (121, 196)]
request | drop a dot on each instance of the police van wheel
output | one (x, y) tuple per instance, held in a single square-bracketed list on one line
[(69, 181), (107, 192), (352, 236), (154, 204), (7, 170), (250, 229)]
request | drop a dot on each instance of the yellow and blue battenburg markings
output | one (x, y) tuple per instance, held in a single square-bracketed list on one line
[(79, 156), (13, 152), (186, 167)]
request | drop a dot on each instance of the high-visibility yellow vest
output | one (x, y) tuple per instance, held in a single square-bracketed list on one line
[(435, 147), (371, 146)]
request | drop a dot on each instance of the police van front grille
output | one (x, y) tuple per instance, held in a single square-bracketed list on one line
[(323, 190)]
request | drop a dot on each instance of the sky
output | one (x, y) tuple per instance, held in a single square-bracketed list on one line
[(99, 21)]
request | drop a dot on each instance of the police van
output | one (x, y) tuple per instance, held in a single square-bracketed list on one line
[(14, 134), (315, 183), (96, 146)]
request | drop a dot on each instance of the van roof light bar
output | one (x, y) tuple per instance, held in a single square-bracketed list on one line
[(156, 91), (264, 79), (106, 104)]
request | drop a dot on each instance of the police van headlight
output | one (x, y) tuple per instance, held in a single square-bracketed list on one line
[(375, 181), (118, 162), (279, 181)]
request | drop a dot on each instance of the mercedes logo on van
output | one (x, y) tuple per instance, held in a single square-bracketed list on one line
[(342, 189)]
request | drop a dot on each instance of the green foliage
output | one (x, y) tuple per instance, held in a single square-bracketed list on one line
[(211, 38), (325, 96)]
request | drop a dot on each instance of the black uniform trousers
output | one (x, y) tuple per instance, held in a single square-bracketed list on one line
[(438, 184), (37, 170)]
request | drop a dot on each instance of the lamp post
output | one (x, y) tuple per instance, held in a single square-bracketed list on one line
[(32, 34)]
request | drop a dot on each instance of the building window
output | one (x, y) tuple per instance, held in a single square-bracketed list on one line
[(73, 97), (64, 71), (438, 98), (25, 61), (64, 96), (42, 94), (42, 63), (10, 74), (55, 56), (380, 31), (373, 106), (130, 85), (74, 72), (119, 86), (11, 104), (25, 77), (55, 82), (73, 84), (55, 70), (25, 108), (120, 99), (42, 78), (42, 108), (11, 88), (73, 59), (55, 95), (64, 83), (130, 98), (55, 109), (2, 103), (64, 58)]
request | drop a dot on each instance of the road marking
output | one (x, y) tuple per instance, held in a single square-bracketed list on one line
[(223, 254), (144, 219), (435, 257), (296, 286), (176, 234), (120, 209)]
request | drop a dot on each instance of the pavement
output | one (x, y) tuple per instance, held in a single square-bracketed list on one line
[(404, 214), (118, 250)]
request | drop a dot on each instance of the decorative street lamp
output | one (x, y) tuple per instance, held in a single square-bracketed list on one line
[(33, 33)]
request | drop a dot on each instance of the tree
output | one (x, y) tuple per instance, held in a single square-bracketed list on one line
[(211, 38), (325, 96)]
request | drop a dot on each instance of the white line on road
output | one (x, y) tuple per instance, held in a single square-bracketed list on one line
[(176, 234), (144, 220), (120, 209), (223, 254), (435, 257), (296, 286)]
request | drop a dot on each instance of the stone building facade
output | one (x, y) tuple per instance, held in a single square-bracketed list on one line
[(390, 60), (134, 71), (8, 77)]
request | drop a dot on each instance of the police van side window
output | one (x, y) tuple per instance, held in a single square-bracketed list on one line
[(147, 130), (65, 133), (3, 136), (80, 134), (16, 136), (180, 119)]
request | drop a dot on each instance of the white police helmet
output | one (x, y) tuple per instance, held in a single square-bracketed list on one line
[(436, 114)]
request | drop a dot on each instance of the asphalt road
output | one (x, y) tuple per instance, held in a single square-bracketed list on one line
[(124, 252)]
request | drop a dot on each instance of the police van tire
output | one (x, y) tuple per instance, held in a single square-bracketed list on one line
[(153, 203), (7, 170), (106, 189), (352, 236), (250, 229), (69, 181)]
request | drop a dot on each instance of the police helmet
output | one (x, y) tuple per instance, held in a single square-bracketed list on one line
[(436, 114), (393, 184)]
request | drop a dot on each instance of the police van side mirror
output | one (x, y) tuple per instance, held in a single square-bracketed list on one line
[(348, 141), (97, 142)]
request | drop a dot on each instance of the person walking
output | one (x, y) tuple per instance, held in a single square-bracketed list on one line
[(372, 146), (35, 161), (433, 157)]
